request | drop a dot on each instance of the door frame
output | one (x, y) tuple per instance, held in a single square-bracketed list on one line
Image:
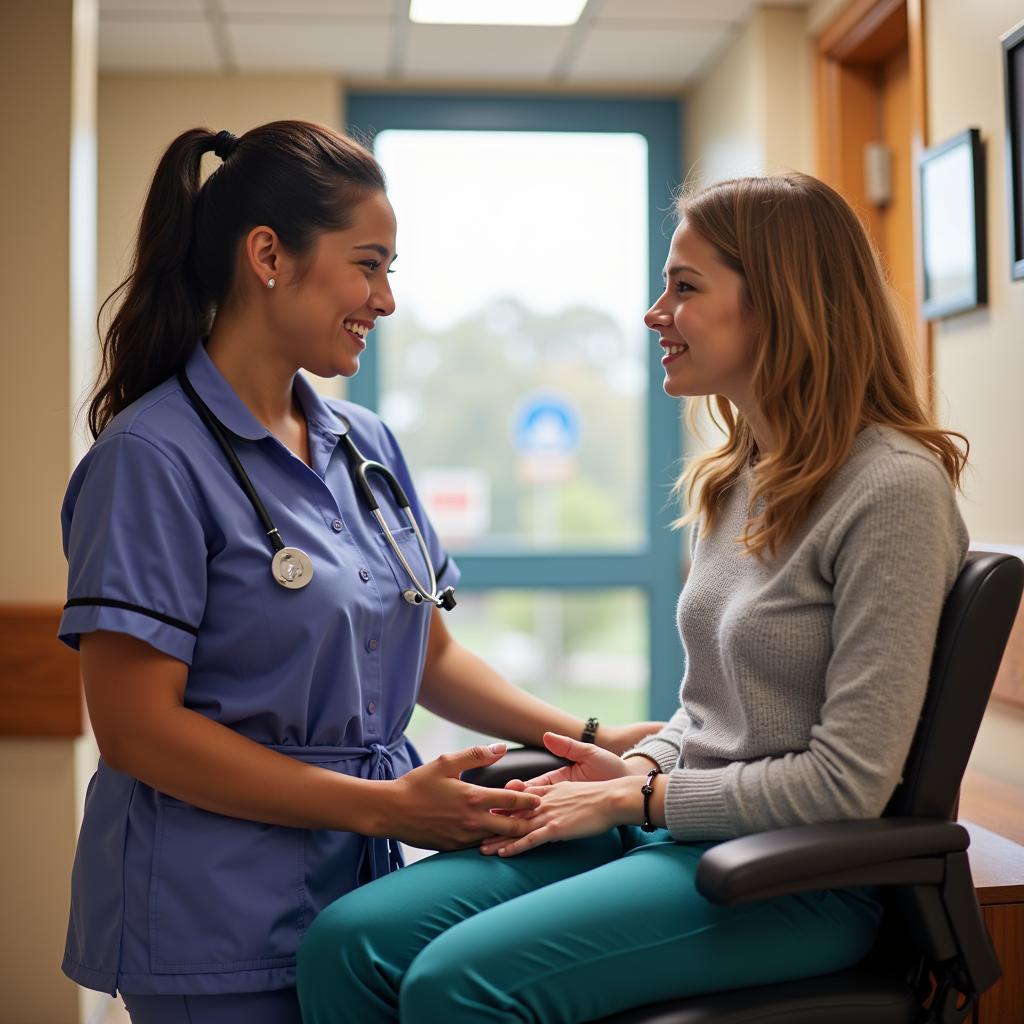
[(861, 30)]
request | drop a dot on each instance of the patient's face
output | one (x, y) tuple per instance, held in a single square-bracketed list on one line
[(706, 330)]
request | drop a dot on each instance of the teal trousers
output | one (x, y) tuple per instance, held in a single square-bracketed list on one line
[(565, 933)]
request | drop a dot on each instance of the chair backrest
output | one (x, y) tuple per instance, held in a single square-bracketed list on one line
[(975, 624)]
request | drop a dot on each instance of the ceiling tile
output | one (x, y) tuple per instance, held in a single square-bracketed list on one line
[(172, 8), (153, 45), (488, 52), (345, 50), (671, 10), (335, 9), (643, 56)]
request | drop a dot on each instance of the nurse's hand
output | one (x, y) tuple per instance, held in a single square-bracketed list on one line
[(432, 808)]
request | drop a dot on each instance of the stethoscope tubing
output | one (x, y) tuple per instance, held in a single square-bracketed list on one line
[(361, 468), (217, 429)]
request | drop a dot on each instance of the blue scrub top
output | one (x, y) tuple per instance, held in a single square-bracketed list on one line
[(162, 544)]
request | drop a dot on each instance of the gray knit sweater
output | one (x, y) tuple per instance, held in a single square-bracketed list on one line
[(806, 673)]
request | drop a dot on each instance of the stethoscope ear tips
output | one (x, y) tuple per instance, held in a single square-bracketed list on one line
[(448, 598), (412, 597)]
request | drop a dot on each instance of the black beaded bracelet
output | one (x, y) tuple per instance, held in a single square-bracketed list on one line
[(647, 789), (590, 731)]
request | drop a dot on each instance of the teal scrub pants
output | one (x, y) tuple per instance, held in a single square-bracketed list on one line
[(565, 933)]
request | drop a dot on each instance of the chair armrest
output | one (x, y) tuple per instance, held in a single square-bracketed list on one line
[(519, 763), (830, 855)]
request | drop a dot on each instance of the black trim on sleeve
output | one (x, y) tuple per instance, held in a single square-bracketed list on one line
[(444, 568), (109, 602)]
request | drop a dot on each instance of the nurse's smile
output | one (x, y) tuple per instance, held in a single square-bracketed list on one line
[(357, 331)]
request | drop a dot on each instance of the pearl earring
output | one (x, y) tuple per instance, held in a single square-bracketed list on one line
[(270, 283)]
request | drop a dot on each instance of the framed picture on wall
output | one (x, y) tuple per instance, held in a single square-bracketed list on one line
[(952, 178), (1013, 77)]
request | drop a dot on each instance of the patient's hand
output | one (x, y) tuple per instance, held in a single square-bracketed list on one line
[(593, 764), (572, 811)]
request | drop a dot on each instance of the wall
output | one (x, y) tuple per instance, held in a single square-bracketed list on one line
[(47, 265), (139, 115), (979, 356), (751, 113)]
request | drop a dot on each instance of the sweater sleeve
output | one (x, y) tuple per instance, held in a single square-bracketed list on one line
[(665, 746), (893, 556)]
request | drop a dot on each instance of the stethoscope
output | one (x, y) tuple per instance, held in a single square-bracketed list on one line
[(291, 567)]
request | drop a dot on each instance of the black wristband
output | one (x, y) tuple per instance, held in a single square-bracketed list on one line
[(590, 731), (647, 789)]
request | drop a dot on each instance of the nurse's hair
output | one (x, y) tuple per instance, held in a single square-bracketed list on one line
[(831, 352), (299, 178)]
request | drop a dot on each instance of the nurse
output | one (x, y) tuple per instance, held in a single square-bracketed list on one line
[(253, 764)]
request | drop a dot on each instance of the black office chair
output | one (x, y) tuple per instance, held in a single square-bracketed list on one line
[(933, 957)]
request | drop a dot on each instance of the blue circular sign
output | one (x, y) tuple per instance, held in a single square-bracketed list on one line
[(546, 424)]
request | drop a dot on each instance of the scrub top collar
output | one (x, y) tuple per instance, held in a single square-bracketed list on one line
[(236, 416)]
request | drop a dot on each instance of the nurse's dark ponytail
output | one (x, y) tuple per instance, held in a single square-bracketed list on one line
[(299, 178)]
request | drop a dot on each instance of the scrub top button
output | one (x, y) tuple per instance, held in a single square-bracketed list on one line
[(364, 575), (337, 526), (371, 644), (371, 707)]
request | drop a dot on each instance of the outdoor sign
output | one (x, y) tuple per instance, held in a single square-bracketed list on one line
[(458, 501), (546, 435)]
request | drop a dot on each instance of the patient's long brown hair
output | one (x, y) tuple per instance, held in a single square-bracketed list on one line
[(832, 353)]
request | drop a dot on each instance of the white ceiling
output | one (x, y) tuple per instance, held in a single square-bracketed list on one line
[(643, 43)]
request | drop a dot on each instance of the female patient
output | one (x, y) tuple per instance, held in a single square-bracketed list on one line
[(826, 538)]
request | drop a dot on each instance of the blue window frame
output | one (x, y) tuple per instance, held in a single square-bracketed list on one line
[(656, 568)]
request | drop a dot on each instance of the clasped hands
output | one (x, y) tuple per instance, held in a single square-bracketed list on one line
[(595, 793)]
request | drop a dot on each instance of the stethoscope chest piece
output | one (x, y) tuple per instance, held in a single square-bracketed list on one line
[(292, 568)]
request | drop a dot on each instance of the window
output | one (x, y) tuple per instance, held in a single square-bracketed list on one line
[(526, 391)]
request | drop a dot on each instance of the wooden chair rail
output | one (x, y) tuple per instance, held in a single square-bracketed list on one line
[(40, 690)]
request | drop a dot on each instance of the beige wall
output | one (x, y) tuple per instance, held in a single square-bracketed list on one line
[(47, 268), (140, 115), (38, 796), (751, 113), (979, 357)]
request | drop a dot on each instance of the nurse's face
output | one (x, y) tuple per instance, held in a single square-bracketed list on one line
[(706, 330), (336, 298)]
